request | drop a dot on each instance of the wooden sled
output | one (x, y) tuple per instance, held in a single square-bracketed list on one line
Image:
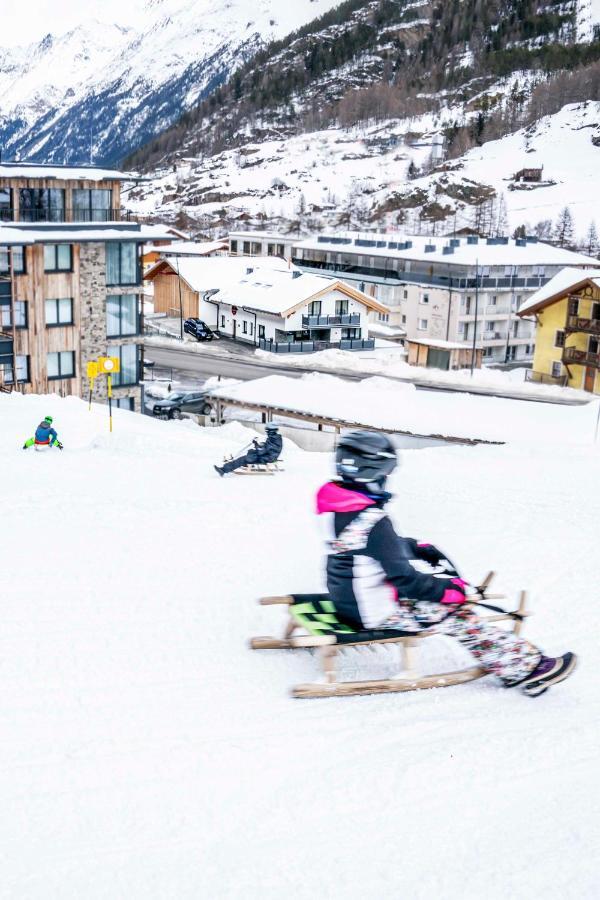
[(260, 469), (326, 634)]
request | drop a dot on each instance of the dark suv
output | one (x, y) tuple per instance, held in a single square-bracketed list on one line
[(177, 403), (198, 329)]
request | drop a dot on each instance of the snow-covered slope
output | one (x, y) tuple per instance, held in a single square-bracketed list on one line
[(117, 88), (148, 754)]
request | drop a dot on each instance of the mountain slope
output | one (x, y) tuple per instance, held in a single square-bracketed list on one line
[(53, 96)]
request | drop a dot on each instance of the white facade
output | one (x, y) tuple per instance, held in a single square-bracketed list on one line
[(445, 288), (260, 243)]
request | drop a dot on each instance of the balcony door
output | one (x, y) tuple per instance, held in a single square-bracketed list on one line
[(590, 377)]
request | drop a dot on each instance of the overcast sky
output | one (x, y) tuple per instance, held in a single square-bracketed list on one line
[(23, 21)]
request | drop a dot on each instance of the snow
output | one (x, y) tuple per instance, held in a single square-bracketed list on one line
[(80, 173), (484, 253), (383, 403), (190, 248), (147, 753), (51, 232), (440, 344), (563, 281), (205, 273), (275, 291)]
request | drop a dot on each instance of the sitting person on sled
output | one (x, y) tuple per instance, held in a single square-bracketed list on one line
[(372, 583), (259, 454), (45, 437)]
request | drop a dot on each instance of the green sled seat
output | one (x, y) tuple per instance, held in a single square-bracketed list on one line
[(317, 614)]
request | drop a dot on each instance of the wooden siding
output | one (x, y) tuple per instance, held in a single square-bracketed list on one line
[(67, 185), (166, 296), (35, 287)]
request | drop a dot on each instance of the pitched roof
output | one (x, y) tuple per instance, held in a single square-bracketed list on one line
[(564, 282), (265, 284)]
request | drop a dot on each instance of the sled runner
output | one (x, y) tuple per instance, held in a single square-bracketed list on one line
[(260, 469), (315, 615)]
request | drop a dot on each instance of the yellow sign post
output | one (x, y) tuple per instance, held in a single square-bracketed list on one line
[(109, 366)]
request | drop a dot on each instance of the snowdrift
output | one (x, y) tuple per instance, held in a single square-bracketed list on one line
[(147, 753)]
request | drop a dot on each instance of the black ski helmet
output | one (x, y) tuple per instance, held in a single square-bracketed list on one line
[(365, 457)]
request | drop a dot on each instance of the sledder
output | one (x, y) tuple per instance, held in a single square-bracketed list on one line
[(377, 594), (259, 457), (45, 437)]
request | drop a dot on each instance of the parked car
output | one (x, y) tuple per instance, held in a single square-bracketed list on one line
[(175, 404), (198, 329)]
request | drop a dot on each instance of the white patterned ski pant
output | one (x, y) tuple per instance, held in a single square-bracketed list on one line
[(499, 652)]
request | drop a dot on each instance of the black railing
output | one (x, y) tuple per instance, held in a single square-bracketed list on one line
[(314, 346), (327, 321), (66, 215)]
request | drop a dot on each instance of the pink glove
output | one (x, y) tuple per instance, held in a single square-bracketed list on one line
[(456, 594)]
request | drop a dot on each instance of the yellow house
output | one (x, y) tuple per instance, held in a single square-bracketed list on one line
[(567, 312)]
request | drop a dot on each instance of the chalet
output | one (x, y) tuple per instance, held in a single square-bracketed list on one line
[(270, 305), (156, 251), (528, 176), (567, 312), (70, 280)]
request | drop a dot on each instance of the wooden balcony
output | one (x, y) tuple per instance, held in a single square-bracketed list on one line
[(580, 358), (586, 326)]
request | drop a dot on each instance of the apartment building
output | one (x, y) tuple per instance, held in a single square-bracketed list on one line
[(464, 290), (70, 281)]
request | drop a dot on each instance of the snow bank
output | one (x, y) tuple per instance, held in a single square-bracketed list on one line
[(147, 753)]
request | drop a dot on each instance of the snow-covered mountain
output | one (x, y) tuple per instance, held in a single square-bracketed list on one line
[(109, 88)]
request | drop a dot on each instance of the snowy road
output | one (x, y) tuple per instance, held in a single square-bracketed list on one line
[(148, 754)]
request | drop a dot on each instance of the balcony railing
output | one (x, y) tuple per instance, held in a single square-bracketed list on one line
[(315, 346), (588, 326), (581, 357), (493, 336), (328, 321), (66, 215)]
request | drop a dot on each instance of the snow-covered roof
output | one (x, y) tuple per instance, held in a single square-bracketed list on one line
[(563, 282), (191, 248), (396, 406), (204, 273), (460, 251), (275, 291), (440, 344), (261, 236), (386, 330), (80, 173), (54, 233)]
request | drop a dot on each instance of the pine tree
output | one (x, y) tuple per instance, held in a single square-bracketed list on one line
[(592, 244), (564, 230)]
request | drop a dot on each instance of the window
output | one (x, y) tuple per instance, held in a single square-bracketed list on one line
[(122, 263), (350, 334), (128, 356), (556, 370), (383, 317), (247, 248), (20, 314), (559, 339), (22, 370), (493, 300), (244, 326), (42, 205), (515, 329), (405, 295), (404, 320), (490, 327), (461, 327), (233, 246), (488, 352), (341, 307), (422, 324), (425, 297), (58, 258), (251, 329), (6, 205), (314, 308), (91, 205), (59, 312), (261, 331), (18, 260), (271, 250), (61, 365), (124, 403), (256, 248), (122, 316), (573, 306), (468, 306), (222, 321), (280, 250)]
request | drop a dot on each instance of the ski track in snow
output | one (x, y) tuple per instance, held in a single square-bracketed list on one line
[(147, 753)]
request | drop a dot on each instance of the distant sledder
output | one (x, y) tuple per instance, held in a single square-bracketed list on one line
[(45, 437), (377, 594), (259, 458)]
